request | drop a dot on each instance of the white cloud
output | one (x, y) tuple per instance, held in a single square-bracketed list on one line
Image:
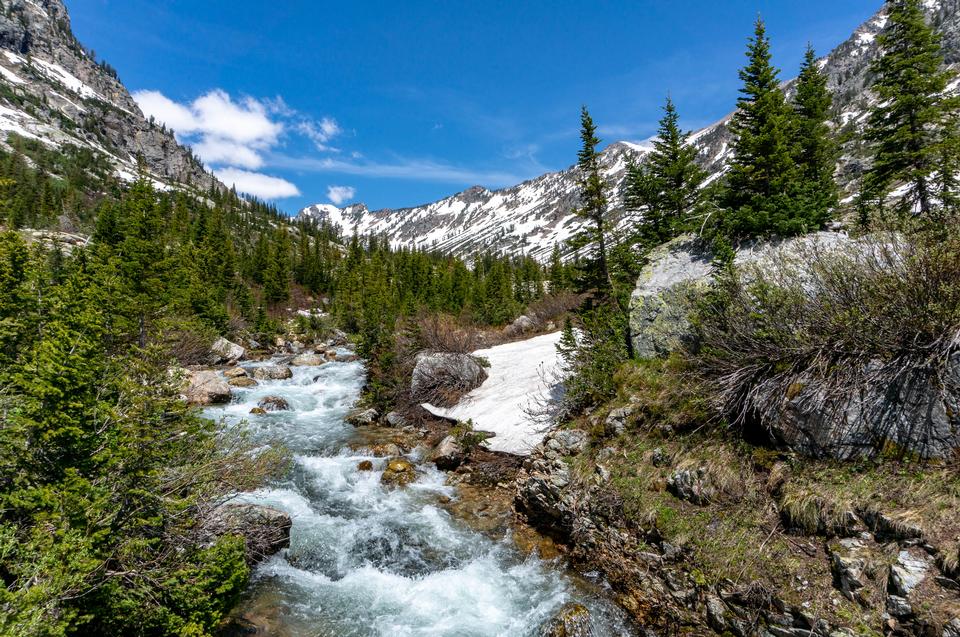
[(224, 152), (320, 132), (157, 105), (257, 184), (339, 194)]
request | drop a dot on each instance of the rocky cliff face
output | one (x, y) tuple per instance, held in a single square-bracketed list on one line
[(52, 90), (533, 216)]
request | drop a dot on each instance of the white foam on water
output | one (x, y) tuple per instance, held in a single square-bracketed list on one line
[(365, 559)]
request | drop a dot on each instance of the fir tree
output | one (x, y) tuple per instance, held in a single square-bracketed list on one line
[(910, 124), (762, 173), (593, 209), (816, 149), (667, 185)]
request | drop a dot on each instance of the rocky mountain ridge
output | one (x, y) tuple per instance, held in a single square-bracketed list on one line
[(52, 90), (531, 217)]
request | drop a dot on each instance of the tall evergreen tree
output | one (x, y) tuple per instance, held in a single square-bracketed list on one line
[(593, 208), (816, 148), (667, 185), (763, 172), (910, 126)]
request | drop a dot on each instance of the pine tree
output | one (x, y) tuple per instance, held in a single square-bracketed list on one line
[(276, 280), (762, 173), (557, 273), (910, 124), (593, 208), (667, 185), (816, 149)]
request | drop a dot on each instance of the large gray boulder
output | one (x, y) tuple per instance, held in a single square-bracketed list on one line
[(676, 271), (272, 372), (441, 377), (225, 352), (206, 388)]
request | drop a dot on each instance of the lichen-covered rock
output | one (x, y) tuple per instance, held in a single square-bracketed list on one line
[(206, 387), (223, 351), (399, 472), (273, 403), (573, 620), (677, 271), (235, 372), (437, 374), (272, 372)]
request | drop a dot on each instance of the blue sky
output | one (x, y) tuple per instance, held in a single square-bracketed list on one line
[(400, 103)]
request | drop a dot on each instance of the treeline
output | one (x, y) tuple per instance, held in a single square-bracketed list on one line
[(780, 181)]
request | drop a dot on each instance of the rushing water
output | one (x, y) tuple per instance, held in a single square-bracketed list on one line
[(366, 560)]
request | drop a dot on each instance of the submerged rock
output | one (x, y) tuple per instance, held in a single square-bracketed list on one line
[(274, 403), (365, 465), (272, 372), (258, 411), (206, 388), (399, 472), (573, 620)]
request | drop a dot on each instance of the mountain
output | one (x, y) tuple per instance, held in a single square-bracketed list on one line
[(531, 217), (55, 91)]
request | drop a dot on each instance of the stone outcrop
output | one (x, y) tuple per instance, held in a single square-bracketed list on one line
[(440, 376), (206, 387)]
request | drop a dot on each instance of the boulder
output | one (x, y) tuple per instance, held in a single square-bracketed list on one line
[(385, 450), (243, 381), (224, 351), (447, 455), (265, 530), (206, 388), (362, 417), (347, 358), (274, 403), (308, 359), (661, 302), (542, 495), (272, 372), (395, 419), (399, 472), (365, 465), (439, 375), (522, 325), (573, 620), (235, 372), (258, 411)]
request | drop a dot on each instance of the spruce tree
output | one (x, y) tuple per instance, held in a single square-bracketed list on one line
[(593, 209), (763, 172), (910, 126), (666, 186), (816, 149)]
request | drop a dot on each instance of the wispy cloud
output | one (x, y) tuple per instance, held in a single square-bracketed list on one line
[(408, 169)]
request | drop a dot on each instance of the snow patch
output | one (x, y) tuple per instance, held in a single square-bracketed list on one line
[(520, 375)]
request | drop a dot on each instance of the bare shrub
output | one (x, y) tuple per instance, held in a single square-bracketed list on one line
[(850, 331), (444, 333), (554, 306)]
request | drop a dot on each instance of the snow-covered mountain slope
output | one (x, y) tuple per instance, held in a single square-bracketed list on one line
[(533, 216), (52, 90)]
